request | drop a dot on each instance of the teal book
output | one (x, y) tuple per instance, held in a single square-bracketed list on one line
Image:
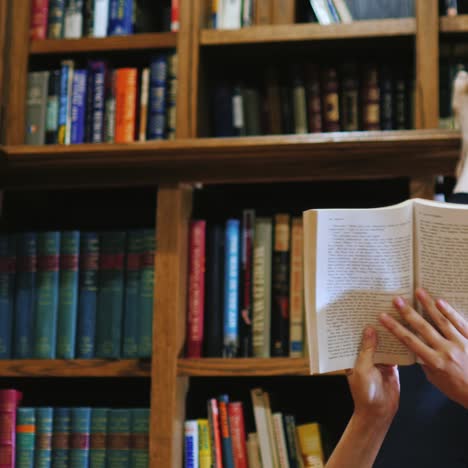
[(110, 295), (118, 451), (44, 428), (25, 437), (139, 438), (48, 250), (68, 294), (80, 434), (145, 335), (98, 439), (61, 438), (7, 292), (132, 290)]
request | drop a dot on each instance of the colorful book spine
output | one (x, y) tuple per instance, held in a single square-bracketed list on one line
[(215, 433), (110, 109), (296, 291), (157, 98), (291, 440), (61, 438), (7, 292), (88, 27), (48, 252), (139, 438), (125, 104), (171, 103), (80, 435), (237, 426), (56, 19), (78, 106), (191, 458), (39, 15), (98, 438), (52, 111), (330, 97), (73, 22), (25, 300), (196, 288), (110, 294), (226, 439), (44, 429), (64, 118), (310, 444), (175, 23), (231, 288), (25, 437), (9, 401), (101, 18), (118, 451), (204, 446), (87, 302), (146, 294), (68, 294), (97, 71), (370, 95), (120, 17), (144, 97)]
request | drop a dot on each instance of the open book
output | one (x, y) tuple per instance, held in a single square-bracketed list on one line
[(357, 260)]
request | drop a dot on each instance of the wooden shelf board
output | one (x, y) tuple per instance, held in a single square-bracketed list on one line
[(454, 24), (327, 156), (106, 44), (309, 32), (74, 368)]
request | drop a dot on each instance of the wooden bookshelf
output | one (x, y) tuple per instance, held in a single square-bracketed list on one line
[(454, 24)]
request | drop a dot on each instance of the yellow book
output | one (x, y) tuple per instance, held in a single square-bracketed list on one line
[(204, 445), (310, 443)]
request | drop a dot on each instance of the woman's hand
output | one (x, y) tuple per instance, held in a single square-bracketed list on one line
[(442, 348)]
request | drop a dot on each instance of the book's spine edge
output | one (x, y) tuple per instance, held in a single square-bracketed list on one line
[(110, 109), (191, 457), (310, 444), (88, 27), (39, 16), (386, 98), (299, 102), (290, 433), (225, 430), (66, 75), (237, 426), (296, 293), (71, 73), (61, 437), (98, 72), (314, 102), (400, 103), (175, 22), (157, 98), (118, 452), (9, 400), (78, 109), (172, 96), (280, 440), (204, 449), (330, 97), (44, 430), (55, 28), (144, 96), (215, 434), (253, 451), (284, 11), (139, 438), (80, 435), (370, 95), (7, 292), (52, 111), (101, 18), (98, 438), (73, 21), (263, 13), (349, 99), (125, 105), (25, 437), (36, 104), (196, 288), (120, 17)]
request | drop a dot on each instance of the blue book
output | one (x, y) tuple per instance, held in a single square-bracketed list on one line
[(44, 429), (78, 106), (110, 295), (231, 288), (26, 267), (7, 288), (45, 320), (145, 333), (80, 432), (118, 452), (64, 123), (25, 437), (139, 455), (226, 438), (120, 18), (97, 71), (68, 294), (191, 444), (61, 438), (87, 301), (56, 19), (157, 98), (132, 311), (98, 442)]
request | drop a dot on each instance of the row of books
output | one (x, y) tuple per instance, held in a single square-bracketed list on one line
[(72, 19), (76, 294), (99, 104), (277, 442), (314, 98), (245, 288)]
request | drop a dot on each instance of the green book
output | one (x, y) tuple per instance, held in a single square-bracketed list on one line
[(44, 430), (98, 439), (25, 437), (139, 455), (118, 451), (61, 438)]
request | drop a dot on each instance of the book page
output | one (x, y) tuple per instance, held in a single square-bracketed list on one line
[(363, 258)]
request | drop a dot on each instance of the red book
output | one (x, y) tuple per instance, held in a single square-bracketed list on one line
[(215, 434), (125, 104), (196, 288), (39, 15), (237, 425), (175, 22), (9, 400)]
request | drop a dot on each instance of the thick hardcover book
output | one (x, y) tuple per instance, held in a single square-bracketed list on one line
[(118, 449), (64, 117), (370, 98), (252, 111), (56, 19), (87, 300), (231, 288), (171, 103), (146, 294), (44, 430), (223, 123), (101, 18), (215, 433), (314, 99), (78, 106), (88, 18), (98, 438), (157, 102), (253, 450), (9, 402), (61, 438), (52, 111), (310, 445), (400, 102), (273, 101), (287, 112), (299, 100), (196, 288), (289, 423), (120, 18), (109, 106), (25, 437), (330, 100), (73, 27), (386, 98), (204, 447), (191, 458), (110, 294), (7, 292), (349, 98), (80, 435), (225, 430), (139, 438), (39, 15), (68, 294), (125, 104), (97, 72), (237, 426), (36, 105), (45, 336), (25, 300)]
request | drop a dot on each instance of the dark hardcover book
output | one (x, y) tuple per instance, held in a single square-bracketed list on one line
[(157, 98), (400, 103), (223, 124), (314, 101), (299, 102), (370, 98), (238, 117), (120, 18), (379, 9), (97, 71), (88, 24), (349, 98), (61, 437), (80, 435), (56, 19), (78, 106), (273, 102), (226, 439), (53, 96), (386, 98), (330, 100), (251, 103), (25, 437), (287, 114), (73, 28), (7, 292), (36, 105), (44, 431), (445, 95), (289, 423)]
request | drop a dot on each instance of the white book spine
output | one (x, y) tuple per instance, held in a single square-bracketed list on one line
[(266, 450), (343, 11), (73, 24), (69, 102), (191, 444), (101, 18), (280, 440), (144, 94), (271, 430), (321, 11), (231, 14)]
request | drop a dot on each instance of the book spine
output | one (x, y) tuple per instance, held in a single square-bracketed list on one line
[(254, 451), (231, 288), (144, 95), (222, 109), (157, 98), (9, 400), (73, 22), (349, 99), (299, 101), (56, 18), (280, 440), (139, 438), (238, 105), (64, 118), (204, 449), (110, 295), (314, 102), (132, 289), (225, 430), (36, 102), (400, 103), (172, 96), (284, 11), (237, 425), (61, 438), (290, 432), (25, 294), (175, 22), (52, 111), (39, 15), (451, 7), (125, 105), (68, 294), (88, 28), (44, 428), (7, 292), (48, 251), (98, 438), (296, 293), (25, 437), (386, 98), (370, 94), (146, 294), (196, 288), (118, 452), (263, 13), (80, 435), (78, 109), (310, 444), (331, 104), (120, 17), (96, 100), (191, 444), (110, 109), (101, 18), (215, 434)]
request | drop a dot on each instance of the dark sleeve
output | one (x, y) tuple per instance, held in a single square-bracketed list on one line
[(461, 198)]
